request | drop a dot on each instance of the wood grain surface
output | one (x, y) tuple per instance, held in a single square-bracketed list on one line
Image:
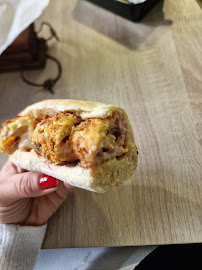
[(152, 69)]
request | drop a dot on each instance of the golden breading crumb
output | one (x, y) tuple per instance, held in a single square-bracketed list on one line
[(96, 140), (86, 140), (50, 138)]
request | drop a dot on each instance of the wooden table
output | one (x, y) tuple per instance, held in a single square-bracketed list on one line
[(154, 70)]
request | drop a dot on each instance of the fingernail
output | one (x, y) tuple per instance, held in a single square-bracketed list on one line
[(47, 181)]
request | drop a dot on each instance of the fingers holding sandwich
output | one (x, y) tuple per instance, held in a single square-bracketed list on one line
[(18, 184), (29, 198)]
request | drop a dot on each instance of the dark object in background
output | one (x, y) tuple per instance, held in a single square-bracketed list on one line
[(133, 12), (27, 52), (186, 256)]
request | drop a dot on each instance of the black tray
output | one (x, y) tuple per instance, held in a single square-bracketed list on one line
[(129, 11)]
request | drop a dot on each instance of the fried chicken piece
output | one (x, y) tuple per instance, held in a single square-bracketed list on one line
[(86, 139), (96, 140), (51, 135)]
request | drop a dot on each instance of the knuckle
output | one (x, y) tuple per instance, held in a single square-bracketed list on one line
[(25, 186)]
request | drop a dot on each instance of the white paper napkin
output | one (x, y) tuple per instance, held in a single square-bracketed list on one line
[(16, 16)]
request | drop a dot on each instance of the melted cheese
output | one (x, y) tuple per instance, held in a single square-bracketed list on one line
[(17, 134)]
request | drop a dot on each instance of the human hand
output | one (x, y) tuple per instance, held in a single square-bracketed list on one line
[(29, 198)]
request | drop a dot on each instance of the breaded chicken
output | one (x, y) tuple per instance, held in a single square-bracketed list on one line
[(86, 140), (50, 138), (96, 140)]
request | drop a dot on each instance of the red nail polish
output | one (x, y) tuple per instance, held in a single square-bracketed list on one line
[(47, 181)]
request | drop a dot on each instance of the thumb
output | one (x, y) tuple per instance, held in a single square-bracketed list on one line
[(31, 184)]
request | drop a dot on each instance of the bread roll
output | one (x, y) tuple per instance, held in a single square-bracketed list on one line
[(98, 138)]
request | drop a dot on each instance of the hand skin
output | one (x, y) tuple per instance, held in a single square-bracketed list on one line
[(23, 201)]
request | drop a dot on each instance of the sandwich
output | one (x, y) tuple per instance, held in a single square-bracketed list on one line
[(86, 144)]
